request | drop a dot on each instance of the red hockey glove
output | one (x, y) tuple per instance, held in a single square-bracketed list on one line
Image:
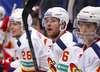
[(5, 23)]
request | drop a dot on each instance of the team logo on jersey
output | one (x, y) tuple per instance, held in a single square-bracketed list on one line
[(98, 70), (74, 68), (51, 65)]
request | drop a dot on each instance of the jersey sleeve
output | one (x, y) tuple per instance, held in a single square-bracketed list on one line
[(41, 53)]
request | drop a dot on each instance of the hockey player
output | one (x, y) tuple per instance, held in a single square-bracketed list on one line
[(6, 40), (6, 46), (89, 34), (25, 62), (55, 21), (2, 14)]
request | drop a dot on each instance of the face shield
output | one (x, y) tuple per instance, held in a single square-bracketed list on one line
[(89, 15), (84, 36)]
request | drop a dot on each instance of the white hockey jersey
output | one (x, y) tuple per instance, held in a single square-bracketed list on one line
[(77, 57), (90, 60), (38, 34), (71, 54), (55, 49), (24, 53)]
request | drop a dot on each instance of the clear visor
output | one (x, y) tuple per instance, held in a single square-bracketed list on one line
[(17, 21), (51, 20), (85, 37), (77, 25)]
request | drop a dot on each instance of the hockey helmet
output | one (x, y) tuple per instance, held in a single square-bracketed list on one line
[(17, 17), (89, 14), (2, 11), (59, 13)]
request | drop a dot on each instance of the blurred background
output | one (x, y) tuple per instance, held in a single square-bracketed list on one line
[(72, 6)]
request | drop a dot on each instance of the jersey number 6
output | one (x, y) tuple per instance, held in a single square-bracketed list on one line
[(65, 56)]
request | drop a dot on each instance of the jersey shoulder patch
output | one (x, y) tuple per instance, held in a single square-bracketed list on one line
[(96, 48)]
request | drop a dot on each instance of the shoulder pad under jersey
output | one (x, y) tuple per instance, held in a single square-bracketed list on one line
[(96, 48)]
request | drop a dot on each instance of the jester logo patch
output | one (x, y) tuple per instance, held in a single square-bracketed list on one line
[(74, 68), (98, 70), (51, 65)]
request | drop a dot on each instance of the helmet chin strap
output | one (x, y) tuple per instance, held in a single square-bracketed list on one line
[(61, 31), (61, 23)]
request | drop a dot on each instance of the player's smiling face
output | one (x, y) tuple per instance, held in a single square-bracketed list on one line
[(52, 27), (15, 28), (87, 29)]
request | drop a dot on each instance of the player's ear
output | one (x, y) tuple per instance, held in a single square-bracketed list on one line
[(63, 25), (23, 28)]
